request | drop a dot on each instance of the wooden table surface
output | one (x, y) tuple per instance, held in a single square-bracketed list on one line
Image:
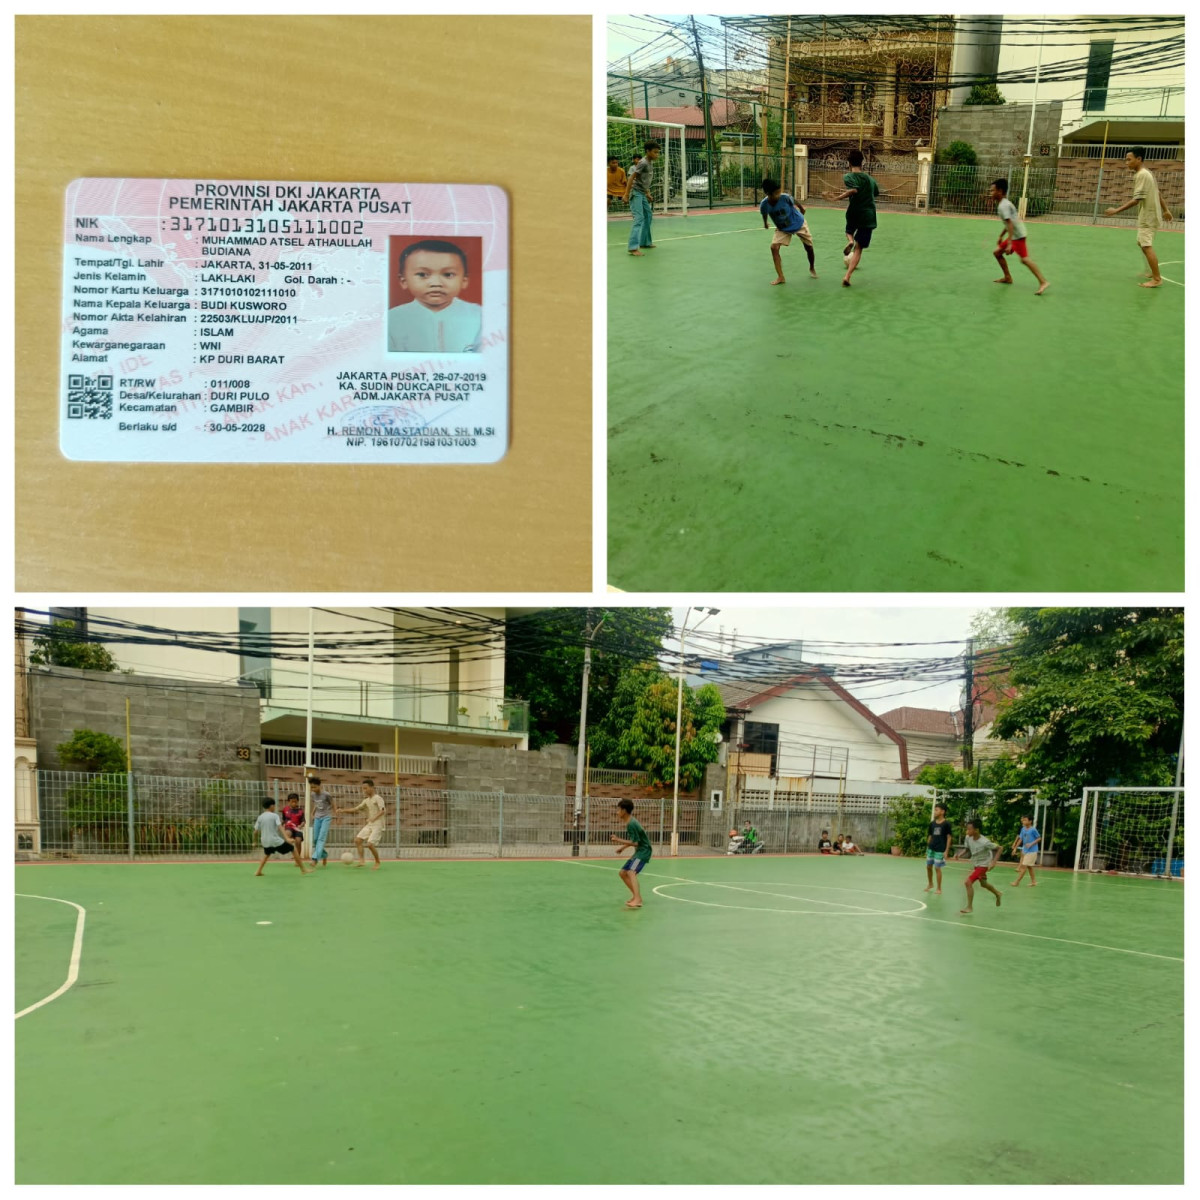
[(500, 100)]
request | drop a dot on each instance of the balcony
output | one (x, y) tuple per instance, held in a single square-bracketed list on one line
[(373, 701), (1141, 104)]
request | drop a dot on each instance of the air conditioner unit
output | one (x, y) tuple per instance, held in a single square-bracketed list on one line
[(715, 801)]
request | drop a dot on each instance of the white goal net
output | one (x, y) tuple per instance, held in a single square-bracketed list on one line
[(627, 137), (1131, 831)]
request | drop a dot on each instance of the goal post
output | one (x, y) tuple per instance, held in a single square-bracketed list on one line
[(1131, 831), (627, 136)]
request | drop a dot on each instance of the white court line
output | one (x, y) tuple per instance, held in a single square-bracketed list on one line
[(1044, 938), (683, 237), (858, 909), (937, 920), (76, 951), (1175, 262)]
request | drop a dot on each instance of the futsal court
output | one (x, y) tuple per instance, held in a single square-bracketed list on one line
[(925, 429), (760, 1020)]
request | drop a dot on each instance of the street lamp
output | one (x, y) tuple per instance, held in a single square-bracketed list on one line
[(708, 612)]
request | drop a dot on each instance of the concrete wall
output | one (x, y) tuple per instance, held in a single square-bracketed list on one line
[(514, 772), (999, 132), (179, 727)]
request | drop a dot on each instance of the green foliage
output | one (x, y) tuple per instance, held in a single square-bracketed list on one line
[(99, 809), (961, 154), (984, 91), (87, 750), (617, 107), (60, 646), (992, 627), (999, 814), (1102, 688), (544, 663), (639, 729)]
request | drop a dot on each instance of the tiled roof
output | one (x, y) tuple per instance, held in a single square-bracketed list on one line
[(924, 720), (723, 112)]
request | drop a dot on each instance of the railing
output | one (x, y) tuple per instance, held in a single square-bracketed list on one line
[(378, 701), (605, 777), (1117, 150), (355, 760)]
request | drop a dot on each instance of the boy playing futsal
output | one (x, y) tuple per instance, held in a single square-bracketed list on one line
[(639, 841), (275, 839), (637, 196), (1012, 236), (938, 846), (788, 216), (1029, 840), (1149, 205), (861, 190), (322, 813), (371, 833), (985, 855)]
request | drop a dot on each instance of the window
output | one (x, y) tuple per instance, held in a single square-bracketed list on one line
[(1095, 88), (254, 633), (762, 738)]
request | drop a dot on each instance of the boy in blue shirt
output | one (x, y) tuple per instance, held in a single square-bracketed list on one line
[(1030, 842), (789, 220)]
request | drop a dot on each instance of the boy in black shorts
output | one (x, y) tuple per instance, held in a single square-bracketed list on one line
[(638, 840), (275, 839), (861, 190)]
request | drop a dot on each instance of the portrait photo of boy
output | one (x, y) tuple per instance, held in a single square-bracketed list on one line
[(434, 295)]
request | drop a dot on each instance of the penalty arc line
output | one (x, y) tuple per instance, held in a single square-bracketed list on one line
[(752, 891), (76, 952), (684, 237)]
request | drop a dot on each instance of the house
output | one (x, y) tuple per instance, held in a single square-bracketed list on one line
[(207, 665), (789, 719)]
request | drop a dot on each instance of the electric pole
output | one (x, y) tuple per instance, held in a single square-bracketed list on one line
[(968, 750), (708, 138), (589, 634)]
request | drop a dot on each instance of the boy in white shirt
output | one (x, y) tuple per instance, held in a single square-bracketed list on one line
[(437, 321), (1150, 206), (275, 838), (371, 833)]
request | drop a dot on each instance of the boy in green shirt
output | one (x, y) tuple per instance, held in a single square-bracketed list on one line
[(861, 189), (639, 840)]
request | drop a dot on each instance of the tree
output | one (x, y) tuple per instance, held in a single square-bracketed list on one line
[(639, 729), (960, 154), (1102, 688), (97, 753), (62, 646), (617, 107), (984, 91), (544, 662), (993, 627)]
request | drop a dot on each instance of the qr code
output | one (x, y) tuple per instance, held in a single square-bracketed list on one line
[(89, 397)]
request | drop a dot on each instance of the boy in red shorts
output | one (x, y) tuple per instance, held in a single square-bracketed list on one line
[(985, 855), (1012, 236)]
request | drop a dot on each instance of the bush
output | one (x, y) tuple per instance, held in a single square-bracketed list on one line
[(961, 154), (87, 750), (984, 91)]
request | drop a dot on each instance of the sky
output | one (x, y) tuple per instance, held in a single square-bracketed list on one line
[(859, 625)]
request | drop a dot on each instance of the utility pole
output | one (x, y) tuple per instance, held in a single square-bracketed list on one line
[(968, 752), (708, 142), (1037, 75), (589, 635), (709, 612)]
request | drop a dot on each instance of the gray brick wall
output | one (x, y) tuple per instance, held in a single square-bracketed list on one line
[(495, 769), (178, 727), (999, 132)]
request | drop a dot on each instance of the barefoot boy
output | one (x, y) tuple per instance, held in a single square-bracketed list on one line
[(639, 841), (1012, 236), (371, 834), (984, 856), (1030, 841), (940, 836), (275, 839), (788, 216), (861, 190), (1149, 205), (638, 196)]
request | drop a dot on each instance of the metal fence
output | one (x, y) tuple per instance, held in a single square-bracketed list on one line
[(148, 817)]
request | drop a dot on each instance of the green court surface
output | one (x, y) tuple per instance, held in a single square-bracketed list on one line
[(925, 429), (766, 1020)]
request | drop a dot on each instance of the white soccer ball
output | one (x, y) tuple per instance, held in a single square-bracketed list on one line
[(347, 856)]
